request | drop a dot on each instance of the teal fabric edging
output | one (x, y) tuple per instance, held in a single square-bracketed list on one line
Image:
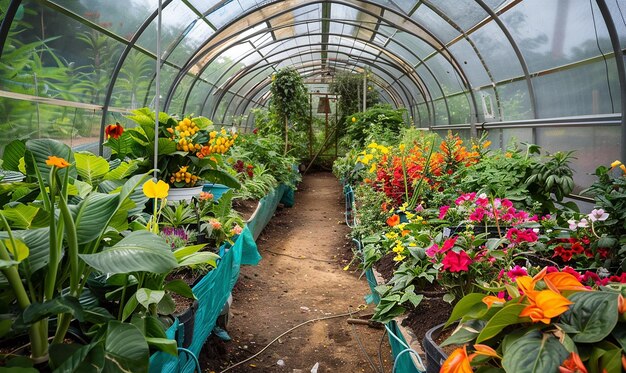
[(289, 196), (162, 359), (265, 210), (212, 293)]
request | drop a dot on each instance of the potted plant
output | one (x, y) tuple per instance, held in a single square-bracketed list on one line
[(546, 323), (189, 151)]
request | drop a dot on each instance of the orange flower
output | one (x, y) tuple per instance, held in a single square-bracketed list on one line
[(527, 284), (489, 300), (457, 362), (205, 196), (559, 281), (545, 305), (114, 130), (393, 220), (573, 364), (405, 232), (484, 350), (621, 304), (57, 162)]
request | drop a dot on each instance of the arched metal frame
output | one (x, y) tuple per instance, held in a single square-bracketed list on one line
[(193, 60), (264, 83), (606, 15), (373, 61)]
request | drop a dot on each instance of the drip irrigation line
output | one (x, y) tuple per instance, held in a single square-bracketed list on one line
[(303, 257), (285, 333), (362, 348), (409, 350), (380, 351), (195, 358)]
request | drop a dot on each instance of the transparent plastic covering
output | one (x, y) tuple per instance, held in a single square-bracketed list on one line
[(67, 68)]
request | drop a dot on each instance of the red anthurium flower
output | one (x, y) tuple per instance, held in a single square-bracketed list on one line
[(573, 364), (114, 131)]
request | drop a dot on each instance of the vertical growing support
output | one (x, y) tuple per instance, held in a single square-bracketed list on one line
[(286, 134), (364, 90), (310, 125)]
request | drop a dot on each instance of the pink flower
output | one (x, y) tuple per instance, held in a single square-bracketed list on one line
[(516, 272), (467, 197), (598, 215), (456, 262), (432, 251), (448, 244), (506, 203), (237, 229), (482, 200), (442, 211), (419, 208), (572, 272), (477, 215)]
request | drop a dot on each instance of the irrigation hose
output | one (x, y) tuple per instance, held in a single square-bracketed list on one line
[(195, 359), (362, 348), (407, 349), (285, 333)]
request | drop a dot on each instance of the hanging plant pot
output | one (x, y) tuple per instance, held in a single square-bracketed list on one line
[(435, 356), (183, 194), (216, 189)]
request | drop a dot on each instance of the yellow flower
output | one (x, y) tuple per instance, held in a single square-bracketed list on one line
[(56, 162), (623, 168), (373, 168), (391, 235), (398, 249), (409, 215), (402, 147), (383, 149), (353, 119), (412, 244), (155, 190), (398, 258), (615, 163), (486, 144)]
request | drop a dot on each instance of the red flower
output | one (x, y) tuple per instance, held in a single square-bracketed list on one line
[(114, 131), (442, 211), (393, 220), (456, 262)]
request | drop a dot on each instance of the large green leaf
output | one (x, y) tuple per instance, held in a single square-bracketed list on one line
[(163, 344), (180, 287), (90, 167), (124, 170), (592, 317), (126, 349), (94, 213), (19, 251), (204, 257), (60, 304), (146, 297), (605, 358), (166, 147), (41, 149), (120, 146), (179, 254), (466, 303), (13, 152), (38, 243), (74, 358), (465, 333), (534, 353), (139, 251), (220, 177), (508, 315)]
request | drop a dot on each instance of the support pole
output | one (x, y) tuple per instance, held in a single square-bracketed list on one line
[(364, 90), (157, 91)]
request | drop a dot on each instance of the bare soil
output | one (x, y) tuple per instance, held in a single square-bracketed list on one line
[(300, 278), (245, 207), (428, 314)]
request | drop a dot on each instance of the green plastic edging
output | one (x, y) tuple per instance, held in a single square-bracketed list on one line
[(403, 361), (212, 293)]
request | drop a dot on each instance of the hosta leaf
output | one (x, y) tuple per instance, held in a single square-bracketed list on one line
[(592, 317), (146, 297), (93, 215), (126, 349), (534, 353), (139, 251), (21, 216), (90, 167)]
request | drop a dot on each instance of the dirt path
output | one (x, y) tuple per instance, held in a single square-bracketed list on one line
[(300, 278)]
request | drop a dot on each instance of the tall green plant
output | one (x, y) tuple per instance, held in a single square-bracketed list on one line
[(290, 100)]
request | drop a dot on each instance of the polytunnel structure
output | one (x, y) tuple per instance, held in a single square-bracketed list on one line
[(478, 146), (544, 72)]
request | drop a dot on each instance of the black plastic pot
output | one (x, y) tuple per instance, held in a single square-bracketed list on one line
[(434, 354), (187, 319)]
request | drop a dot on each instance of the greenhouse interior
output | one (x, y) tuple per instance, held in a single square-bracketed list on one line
[(313, 186)]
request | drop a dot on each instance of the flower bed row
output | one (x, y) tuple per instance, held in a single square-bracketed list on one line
[(484, 225)]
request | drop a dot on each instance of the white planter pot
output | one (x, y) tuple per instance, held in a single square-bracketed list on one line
[(180, 194)]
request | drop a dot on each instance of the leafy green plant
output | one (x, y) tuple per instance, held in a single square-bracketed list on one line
[(290, 100), (380, 123)]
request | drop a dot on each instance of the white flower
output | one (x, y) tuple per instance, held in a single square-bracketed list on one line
[(583, 223), (573, 224), (598, 215), (482, 196)]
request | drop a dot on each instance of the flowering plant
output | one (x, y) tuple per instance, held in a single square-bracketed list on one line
[(546, 323), (189, 150)]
